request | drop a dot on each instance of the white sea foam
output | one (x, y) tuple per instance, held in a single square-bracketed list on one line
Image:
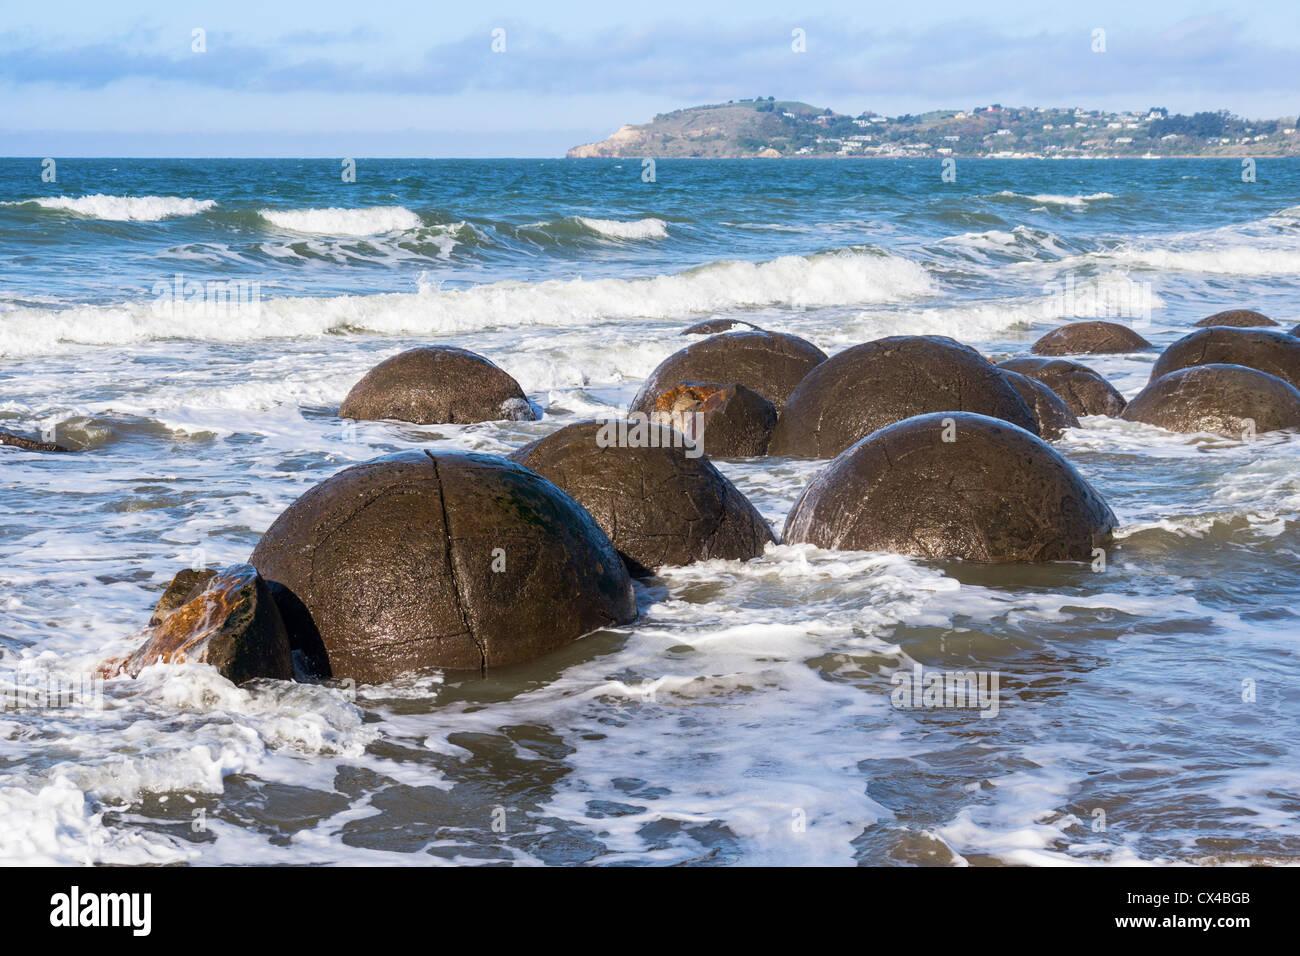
[(124, 208), (1053, 199), (334, 221), (637, 229), (838, 278)]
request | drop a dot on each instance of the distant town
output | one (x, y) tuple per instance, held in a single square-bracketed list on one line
[(771, 128)]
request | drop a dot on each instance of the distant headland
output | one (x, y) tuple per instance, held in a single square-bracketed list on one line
[(771, 128)]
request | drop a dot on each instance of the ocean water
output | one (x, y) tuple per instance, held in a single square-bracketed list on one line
[(1146, 712)]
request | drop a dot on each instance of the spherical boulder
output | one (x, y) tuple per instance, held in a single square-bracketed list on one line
[(714, 326), (1277, 353), (1051, 414), (454, 560), (437, 385), (1227, 400), (727, 421), (653, 492), (869, 386), (1084, 391), (1090, 338), (770, 363), (953, 485), (1236, 318)]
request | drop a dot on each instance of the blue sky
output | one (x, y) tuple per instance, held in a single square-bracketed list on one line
[(283, 77)]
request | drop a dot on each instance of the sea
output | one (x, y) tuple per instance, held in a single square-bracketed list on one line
[(189, 328)]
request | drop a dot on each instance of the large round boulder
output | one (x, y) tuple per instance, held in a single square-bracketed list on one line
[(1051, 414), (653, 492), (1082, 389), (953, 485), (1236, 318), (1090, 338), (727, 421), (1223, 399), (453, 560), (1277, 353), (770, 363), (437, 385), (869, 386)]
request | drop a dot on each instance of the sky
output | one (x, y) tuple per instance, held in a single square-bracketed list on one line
[(397, 78)]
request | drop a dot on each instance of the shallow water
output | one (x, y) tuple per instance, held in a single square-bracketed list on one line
[(747, 716)]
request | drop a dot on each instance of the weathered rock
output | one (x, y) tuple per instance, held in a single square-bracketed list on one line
[(30, 444), (727, 421), (770, 363), (714, 326), (1051, 414), (1296, 330), (1090, 338), (1236, 318), (437, 385), (1083, 390), (1222, 399), (995, 494), (1265, 349), (658, 498), (232, 623), (184, 587), (869, 386), (453, 560)]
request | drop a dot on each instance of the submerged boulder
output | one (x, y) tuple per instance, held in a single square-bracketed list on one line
[(714, 326), (230, 622), (770, 363), (1090, 338), (727, 421), (1051, 414), (1277, 353), (453, 560), (869, 386), (994, 493), (653, 492), (1236, 318), (437, 385), (1227, 400), (1082, 389)]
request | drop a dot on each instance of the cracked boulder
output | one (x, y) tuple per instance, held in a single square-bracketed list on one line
[(994, 493), (454, 560), (1229, 400), (727, 421), (1084, 391), (770, 363), (1277, 353), (437, 385), (1089, 338), (227, 619), (657, 497), (869, 386), (1236, 318), (1051, 414)]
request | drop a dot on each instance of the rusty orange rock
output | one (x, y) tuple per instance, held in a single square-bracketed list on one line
[(232, 624)]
